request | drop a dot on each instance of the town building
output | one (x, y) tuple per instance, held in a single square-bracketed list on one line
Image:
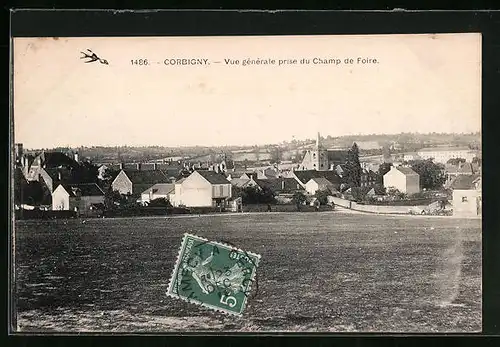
[(202, 188), (368, 178), (403, 179), (319, 184), (77, 197), (443, 154), (280, 185), (50, 160), (158, 191), (322, 159), (304, 176), (467, 196), (134, 182), (239, 182), (453, 171)]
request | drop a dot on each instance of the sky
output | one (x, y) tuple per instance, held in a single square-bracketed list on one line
[(420, 83)]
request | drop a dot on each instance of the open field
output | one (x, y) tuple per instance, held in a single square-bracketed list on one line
[(329, 271)]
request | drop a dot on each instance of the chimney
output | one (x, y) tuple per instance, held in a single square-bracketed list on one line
[(155, 166), (282, 184), (138, 166), (122, 166), (59, 175), (76, 156)]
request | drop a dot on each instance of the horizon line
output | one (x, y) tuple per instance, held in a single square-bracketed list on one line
[(252, 145)]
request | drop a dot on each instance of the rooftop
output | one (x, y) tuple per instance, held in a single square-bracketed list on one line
[(406, 170), (213, 177), (464, 182), (147, 177), (321, 181), (160, 188), (305, 175), (85, 189)]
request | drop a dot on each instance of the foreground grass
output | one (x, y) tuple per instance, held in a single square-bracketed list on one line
[(318, 272)]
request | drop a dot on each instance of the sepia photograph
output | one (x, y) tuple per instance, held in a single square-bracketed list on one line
[(255, 184)]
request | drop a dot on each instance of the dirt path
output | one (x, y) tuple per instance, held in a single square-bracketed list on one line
[(344, 210)]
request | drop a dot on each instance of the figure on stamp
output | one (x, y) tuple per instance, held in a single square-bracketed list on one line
[(208, 279)]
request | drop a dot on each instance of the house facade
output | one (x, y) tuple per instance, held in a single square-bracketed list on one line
[(403, 179), (134, 182), (77, 197), (318, 184), (202, 188), (158, 191), (467, 196)]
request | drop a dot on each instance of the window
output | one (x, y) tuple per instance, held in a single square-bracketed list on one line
[(464, 199)]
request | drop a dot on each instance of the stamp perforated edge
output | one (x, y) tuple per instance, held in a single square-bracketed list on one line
[(169, 292)]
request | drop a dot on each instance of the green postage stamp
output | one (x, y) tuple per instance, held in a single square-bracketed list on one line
[(213, 274)]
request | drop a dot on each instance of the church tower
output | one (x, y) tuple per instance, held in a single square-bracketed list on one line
[(321, 156), (316, 158)]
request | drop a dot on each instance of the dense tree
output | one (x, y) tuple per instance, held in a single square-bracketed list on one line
[(353, 167), (322, 196), (456, 161), (431, 174), (160, 202), (298, 199), (107, 178), (112, 199), (254, 195), (275, 155)]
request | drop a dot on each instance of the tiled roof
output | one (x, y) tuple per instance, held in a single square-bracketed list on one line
[(305, 175), (160, 188), (406, 170), (321, 181), (466, 169), (54, 174), (86, 189), (55, 159), (239, 182), (213, 177), (291, 184), (279, 185), (451, 169), (464, 182), (147, 177)]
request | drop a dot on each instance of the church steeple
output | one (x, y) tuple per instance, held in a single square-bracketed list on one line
[(318, 142)]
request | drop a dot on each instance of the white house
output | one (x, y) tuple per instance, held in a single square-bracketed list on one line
[(77, 197), (318, 184), (467, 195), (203, 188), (159, 190), (403, 179)]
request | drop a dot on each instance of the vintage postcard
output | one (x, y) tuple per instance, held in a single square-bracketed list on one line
[(247, 184)]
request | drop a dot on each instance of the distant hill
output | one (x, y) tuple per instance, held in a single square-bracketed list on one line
[(373, 144)]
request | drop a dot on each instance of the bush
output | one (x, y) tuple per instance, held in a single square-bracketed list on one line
[(322, 196)]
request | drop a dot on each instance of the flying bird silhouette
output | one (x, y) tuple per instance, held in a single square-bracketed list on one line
[(93, 57)]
